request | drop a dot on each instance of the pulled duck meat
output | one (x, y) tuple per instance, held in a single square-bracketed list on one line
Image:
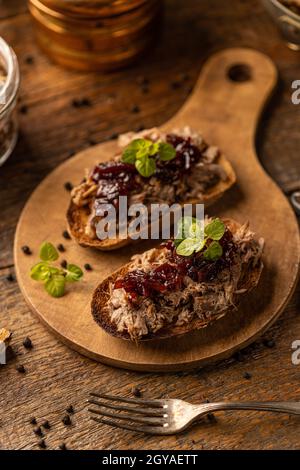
[(163, 288), (193, 171)]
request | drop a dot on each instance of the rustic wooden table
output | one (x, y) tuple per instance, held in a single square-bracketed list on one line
[(51, 130)]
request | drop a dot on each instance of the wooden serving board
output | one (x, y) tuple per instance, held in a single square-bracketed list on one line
[(225, 106)]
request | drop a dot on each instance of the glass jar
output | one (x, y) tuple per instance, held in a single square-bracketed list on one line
[(287, 20), (91, 35), (9, 87)]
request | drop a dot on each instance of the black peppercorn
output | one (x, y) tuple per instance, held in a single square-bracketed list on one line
[(64, 264), (247, 376), (67, 420), (68, 186), (24, 109), (63, 446), (10, 277), (135, 109), (33, 421), (42, 444), (26, 250), (66, 235), (136, 392), (88, 267), (38, 431), (21, 369), (27, 343), (61, 247), (269, 343), (70, 409), (46, 425)]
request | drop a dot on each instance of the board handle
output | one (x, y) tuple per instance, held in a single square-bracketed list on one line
[(232, 90)]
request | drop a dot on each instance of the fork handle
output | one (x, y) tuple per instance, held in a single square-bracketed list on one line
[(277, 407)]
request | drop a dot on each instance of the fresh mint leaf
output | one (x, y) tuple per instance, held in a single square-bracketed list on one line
[(213, 252), (215, 229), (48, 252), (187, 247), (74, 273), (55, 286), (129, 156), (166, 152), (40, 272), (189, 227), (145, 166)]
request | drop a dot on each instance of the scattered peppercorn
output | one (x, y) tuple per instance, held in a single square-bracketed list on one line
[(66, 235), (46, 425), (10, 353), (27, 343), (67, 420), (42, 444), (33, 421), (61, 247), (26, 250), (88, 267), (136, 392), (247, 376), (24, 109), (38, 431), (92, 142), (63, 446), (135, 109), (21, 369), (68, 186), (29, 60), (269, 343), (64, 264), (82, 102), (70, 409), (10, 277)]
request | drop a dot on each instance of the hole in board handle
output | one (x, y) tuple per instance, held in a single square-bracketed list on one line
[(239, 73)]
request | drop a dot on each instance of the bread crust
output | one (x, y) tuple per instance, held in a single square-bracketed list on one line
[(77, 217), (101, 296)]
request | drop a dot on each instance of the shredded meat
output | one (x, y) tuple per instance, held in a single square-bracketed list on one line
[(202, 300), (193, 184)]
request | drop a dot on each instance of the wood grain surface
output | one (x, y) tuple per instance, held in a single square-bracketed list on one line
[(51, 129), (232, 110)]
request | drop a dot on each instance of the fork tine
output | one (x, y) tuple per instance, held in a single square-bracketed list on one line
[(144, 429), (152, 403), (128, 418), (143, 411)]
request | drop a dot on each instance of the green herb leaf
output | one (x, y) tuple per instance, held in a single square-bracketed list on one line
[(145, 166), (74, 273), (129, 156), (154, 149), (166, 152), (213, 252), (187, 247), (40, 272), (215, 229), (55, 286), (189, 227), (48, 252)]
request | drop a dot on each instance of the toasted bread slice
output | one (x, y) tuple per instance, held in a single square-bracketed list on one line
[(249, 280), (77, 217)]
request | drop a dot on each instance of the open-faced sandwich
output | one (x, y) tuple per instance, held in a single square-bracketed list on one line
[(150, 167), (183, 285)]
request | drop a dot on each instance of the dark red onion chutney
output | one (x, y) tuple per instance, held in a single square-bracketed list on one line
[(116, 179), (169, 276)]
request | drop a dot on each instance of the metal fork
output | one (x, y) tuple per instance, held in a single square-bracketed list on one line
[(168, 416)]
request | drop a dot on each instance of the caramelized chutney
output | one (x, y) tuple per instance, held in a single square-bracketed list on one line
[(116, 179), (170, 275)]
